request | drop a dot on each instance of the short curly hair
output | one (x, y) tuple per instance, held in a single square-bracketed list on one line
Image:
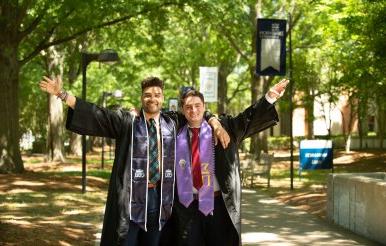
[(152, 81)]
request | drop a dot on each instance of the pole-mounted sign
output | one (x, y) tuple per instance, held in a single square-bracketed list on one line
[(208, 83), (270, 47), (315, 154)]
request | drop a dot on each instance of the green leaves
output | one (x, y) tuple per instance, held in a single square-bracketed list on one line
[(338, 45)]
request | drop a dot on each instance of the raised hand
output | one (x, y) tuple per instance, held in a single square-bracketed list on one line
[(278, 89), (54, 87), (51, 86)]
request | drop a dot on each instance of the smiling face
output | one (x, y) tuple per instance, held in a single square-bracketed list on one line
[(193, 108), (152, 99)]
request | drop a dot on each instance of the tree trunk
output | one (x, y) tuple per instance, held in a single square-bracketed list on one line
[(73, 72), (361, 111), (285, 122), (310, 114), (263, 141), (256, 90), (381, 120), (348, 118), (259, 85), (10, 157), (331, 104), (263, 136), (76, 144), (382, 128), (259, 142), (55, 138), (362, 108), (348, 144), (308, 123), (55, 147), (222, 90)]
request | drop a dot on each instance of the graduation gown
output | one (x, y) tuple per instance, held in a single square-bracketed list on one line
[(256, 118), (89, 119)]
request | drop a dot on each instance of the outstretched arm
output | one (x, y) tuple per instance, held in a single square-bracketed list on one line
[(54, 87), (257, 117), (83, 117)]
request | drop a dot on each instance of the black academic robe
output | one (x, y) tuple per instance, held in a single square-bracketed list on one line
[(89, 119), (256, 118)]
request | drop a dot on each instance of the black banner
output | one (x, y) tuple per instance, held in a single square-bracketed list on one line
[(270, 47)]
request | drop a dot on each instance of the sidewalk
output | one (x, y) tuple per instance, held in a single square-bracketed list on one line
[(266, 221)]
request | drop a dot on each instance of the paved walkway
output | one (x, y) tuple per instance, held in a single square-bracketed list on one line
[(267, 221)]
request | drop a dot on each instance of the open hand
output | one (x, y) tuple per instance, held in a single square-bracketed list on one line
[(51, 86), (278, 89)]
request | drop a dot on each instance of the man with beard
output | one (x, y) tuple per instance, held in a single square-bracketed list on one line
[(207, 210), (141, 189)]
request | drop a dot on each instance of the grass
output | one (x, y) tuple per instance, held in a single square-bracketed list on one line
[(309, 190), (45, 206), (306, 178), (105, 174)]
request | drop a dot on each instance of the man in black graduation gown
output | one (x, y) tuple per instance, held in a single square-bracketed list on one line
[(193, 223), (141, 188)]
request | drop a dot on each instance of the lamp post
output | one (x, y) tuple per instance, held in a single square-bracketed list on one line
[(107, 56), (116, 94), (291, 84)]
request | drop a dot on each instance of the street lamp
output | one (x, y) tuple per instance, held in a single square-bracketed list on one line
[(291, 84), (116, 94), (108, 56)]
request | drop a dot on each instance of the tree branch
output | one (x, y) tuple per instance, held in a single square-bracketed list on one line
[(31, 27), (235, 92), (22, 11), (43, 45), (34, 23), (233, 43), (295, 20)]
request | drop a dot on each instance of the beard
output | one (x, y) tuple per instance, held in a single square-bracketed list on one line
[(151, 108)]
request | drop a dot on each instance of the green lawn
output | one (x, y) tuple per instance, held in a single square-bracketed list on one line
[(45, 205), (48, 207)]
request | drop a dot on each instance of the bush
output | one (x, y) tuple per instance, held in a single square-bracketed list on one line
[(283, 142), (39, 145)]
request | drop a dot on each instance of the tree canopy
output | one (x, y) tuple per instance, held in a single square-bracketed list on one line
[(338, 46)]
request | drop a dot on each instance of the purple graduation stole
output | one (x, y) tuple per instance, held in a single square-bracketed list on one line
[(184, 173)]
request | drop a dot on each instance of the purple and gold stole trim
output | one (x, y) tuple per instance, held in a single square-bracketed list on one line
[(184, 173)]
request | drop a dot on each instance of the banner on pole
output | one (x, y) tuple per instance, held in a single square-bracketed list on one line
[(208, 83), (270, 47)]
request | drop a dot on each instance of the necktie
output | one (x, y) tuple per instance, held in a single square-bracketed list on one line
[(196, 164), (153, 153)]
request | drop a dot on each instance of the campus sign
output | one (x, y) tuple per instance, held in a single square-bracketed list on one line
[(270, 47), (315, 154)]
